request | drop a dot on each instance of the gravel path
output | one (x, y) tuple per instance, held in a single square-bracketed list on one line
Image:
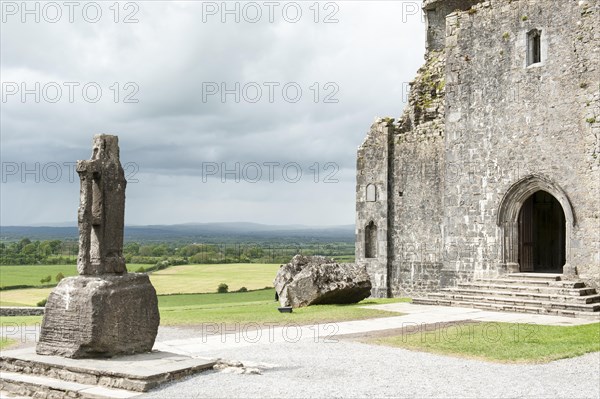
[(349, 369), (169, 333)]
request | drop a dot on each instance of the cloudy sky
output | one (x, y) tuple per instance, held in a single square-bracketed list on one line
[(248, 112)]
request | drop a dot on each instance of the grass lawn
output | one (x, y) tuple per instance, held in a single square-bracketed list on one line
[(23, 297), (177, 279), (13, 330), (195, 279), (32, 274), (11, 321), (257, 307), (5, 343), (241, 307), (344, 258), (502, 342)]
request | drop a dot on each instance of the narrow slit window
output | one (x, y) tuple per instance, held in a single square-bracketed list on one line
[(430, 17), (534, 47), (371, 240)]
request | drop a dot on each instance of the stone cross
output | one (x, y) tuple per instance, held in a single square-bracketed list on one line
[(101, 215), (104, 311)]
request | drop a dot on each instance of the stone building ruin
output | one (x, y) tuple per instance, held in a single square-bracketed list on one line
[(493, 167)]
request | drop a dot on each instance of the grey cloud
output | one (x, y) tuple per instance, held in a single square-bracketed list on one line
[(370, 54)]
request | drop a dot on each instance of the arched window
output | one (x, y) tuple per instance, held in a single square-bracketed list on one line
[(371, 240), (534, 47), (371, 193)]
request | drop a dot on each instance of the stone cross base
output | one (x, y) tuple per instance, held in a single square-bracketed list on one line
[(100, 316)]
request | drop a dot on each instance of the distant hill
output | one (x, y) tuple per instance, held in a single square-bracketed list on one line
[(197, 232)]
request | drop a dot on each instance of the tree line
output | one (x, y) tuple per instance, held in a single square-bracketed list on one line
[(48, 252)]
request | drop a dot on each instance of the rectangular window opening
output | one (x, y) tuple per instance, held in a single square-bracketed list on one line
[(534, 47)]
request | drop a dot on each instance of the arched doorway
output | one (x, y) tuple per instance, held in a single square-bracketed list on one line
[(541, 234), (516, 221)]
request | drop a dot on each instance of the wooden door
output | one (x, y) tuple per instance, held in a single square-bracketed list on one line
[(541, 234), (526, 237), (549, 222)]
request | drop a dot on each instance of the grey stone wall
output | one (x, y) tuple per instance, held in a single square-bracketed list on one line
[(407, 159), (435, 12), (416, 184), (372, 168), (21, 311), (507, 122), (417, 213)]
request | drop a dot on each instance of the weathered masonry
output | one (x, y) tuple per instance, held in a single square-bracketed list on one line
[(494, 166)]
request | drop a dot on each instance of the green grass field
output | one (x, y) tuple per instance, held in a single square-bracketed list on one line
[(6, 343), (503, 342), (198, 305), (257, 307), (23, 297), (32, 274), (195, 279), (187, 279), (344, 258), (242, 307), (20, 320)]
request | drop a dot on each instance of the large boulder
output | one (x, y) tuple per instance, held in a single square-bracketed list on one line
[(312, 280), (90, 316)]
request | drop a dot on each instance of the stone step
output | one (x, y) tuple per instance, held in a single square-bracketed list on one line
[(39, 386), (531, 282), (528, 288), (554, 297), (522, 292), (535, 276), (507, 308), (581, 307)]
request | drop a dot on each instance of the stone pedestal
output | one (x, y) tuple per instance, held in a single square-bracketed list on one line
[(100, 316), (104, 311)]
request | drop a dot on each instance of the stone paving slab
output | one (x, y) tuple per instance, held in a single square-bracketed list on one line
[(8, 395), (37, 383), (140, 366), (139, 372), (483, 315)]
